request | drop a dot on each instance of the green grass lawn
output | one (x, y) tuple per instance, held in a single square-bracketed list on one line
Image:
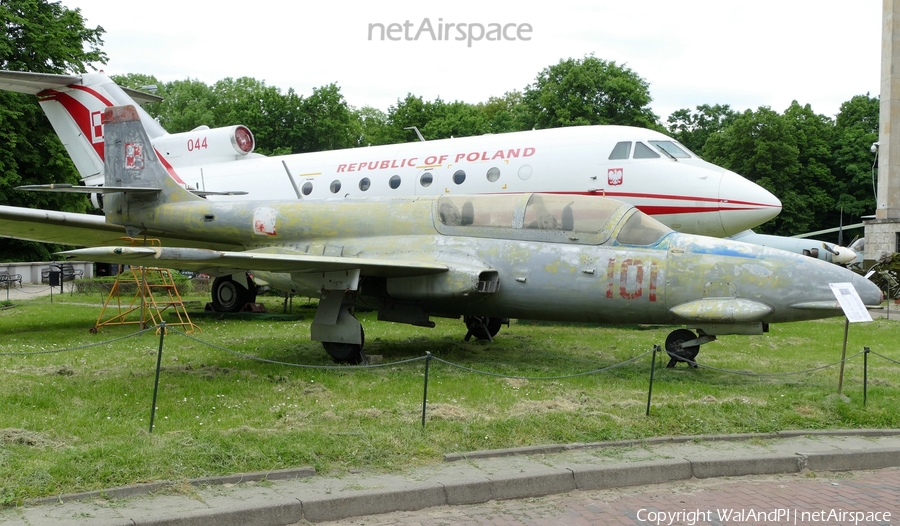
[(78, 420)]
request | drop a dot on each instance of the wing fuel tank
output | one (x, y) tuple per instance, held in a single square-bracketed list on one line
[(722, 310)]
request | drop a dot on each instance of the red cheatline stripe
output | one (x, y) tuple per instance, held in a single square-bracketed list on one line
[(724, 205)]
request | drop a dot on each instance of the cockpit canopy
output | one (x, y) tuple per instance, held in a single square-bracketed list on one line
[(546, 217)]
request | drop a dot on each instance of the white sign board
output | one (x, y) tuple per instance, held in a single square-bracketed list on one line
[(850, 302)]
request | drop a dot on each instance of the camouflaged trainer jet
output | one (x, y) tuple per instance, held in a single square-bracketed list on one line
[(484, 258)]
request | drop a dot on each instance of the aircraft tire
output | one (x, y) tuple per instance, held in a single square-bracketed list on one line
[(349, 353), (229, 295), (482, 328), (680, 355)]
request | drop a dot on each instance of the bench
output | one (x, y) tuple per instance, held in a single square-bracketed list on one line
[(69, 272), (8, 279)]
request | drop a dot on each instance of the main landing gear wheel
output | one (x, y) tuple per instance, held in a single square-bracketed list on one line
[(230, 296), (683, 354), (482, 327), (349, 353)]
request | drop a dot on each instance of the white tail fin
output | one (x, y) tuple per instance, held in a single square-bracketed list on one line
[(74, 104)]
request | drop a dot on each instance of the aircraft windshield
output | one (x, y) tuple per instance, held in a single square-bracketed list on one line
[(671, 148), (641, 229)]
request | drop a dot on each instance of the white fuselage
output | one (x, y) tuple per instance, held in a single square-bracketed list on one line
[(678, 188), (688, 194)]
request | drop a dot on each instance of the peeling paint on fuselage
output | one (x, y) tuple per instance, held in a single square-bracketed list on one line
[(563, 279)]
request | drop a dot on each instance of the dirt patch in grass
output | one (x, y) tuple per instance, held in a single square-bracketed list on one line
[(446, 412), (23, 437), (530, 407)]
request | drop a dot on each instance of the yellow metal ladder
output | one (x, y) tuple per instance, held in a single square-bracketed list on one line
[(155, 293)]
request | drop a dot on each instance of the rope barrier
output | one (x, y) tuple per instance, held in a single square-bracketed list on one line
[(80, 347), (745, 373), (536, 378)]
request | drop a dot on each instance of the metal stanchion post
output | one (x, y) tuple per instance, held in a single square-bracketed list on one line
[(844, 354), (162, 335), (865, 374), (652, 368), (425, 396)]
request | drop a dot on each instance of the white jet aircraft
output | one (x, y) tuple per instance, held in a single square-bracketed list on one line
[(639, 166)]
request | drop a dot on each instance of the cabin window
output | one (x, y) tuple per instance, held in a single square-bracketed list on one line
[(622, 150), (493, 174), (307, 188), (364, 184), (459, 177), (335, 186), (394, 182), (426, 179), (525, 172), (641, 229), (642, 151), (671, 148)]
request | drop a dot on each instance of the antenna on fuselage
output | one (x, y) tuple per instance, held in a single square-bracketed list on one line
[(417, 132)]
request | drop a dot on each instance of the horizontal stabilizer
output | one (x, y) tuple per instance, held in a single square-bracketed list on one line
[(78, 189), (34, 83), (213, 261)]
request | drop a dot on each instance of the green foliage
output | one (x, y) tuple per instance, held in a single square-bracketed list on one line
[(855, 129), (43, 37), (787, 154), (692, 129), (589, 91)]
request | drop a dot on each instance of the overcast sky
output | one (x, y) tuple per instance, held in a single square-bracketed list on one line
[(691, 52)]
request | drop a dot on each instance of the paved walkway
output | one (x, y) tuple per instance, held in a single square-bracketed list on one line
[(853, 498), (619, 483)]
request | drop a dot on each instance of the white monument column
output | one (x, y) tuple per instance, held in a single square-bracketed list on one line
[(882, 233)]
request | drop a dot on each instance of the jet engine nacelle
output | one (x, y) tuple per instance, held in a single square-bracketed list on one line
[(455, 284), (204, 145)]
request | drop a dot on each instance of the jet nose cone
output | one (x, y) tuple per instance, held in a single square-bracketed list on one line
[(744, 204), (869, 292)]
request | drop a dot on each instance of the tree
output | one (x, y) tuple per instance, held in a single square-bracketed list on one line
[(692, 129), (589, 91), (786, 154), (43, 37), (855, 129), (274, 119), (507, 113), (328, 123)]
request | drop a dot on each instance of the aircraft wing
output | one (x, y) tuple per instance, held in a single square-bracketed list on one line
[(217, 262), (69, 228)]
